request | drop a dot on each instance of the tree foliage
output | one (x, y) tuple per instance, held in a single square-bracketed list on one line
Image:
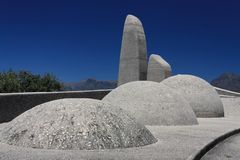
[(24, 81)]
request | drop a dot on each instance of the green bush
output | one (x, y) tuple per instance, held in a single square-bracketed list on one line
[(24, 81)]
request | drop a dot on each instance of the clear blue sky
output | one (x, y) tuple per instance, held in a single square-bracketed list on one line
[(81, 39)]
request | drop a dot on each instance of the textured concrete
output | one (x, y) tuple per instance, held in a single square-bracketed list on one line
[(201, 96), (158, 69), (233, 109), (214, 143), (174, 143), (152, 103), (70, 124), (133, 58), (227, 150), (232, 112), (13, 104), (226, 92)]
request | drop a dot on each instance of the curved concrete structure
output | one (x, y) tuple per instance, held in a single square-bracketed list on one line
[(133, 58), (231, 106), (76, 124), (224, 92), (152, 103), (207, 150), (14, 104), (201, 96), (158, 69), (227, 149)]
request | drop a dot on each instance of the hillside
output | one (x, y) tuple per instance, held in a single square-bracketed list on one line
[(89, 84), (229, 81)]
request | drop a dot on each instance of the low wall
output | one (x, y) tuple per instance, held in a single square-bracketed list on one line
[(227, 92), (13, 104)]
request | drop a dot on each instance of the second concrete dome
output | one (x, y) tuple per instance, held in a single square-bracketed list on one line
[(152, 103), (201, 96)]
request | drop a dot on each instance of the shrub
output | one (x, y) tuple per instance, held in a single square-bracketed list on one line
[(24, 81)]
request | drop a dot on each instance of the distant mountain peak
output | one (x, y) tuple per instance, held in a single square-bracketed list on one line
[(90, 84), (91, 80), (229, 81)]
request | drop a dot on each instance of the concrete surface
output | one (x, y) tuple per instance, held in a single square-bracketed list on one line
[(201, 96), (133, 58), (233, 106), (174, 142), (158, 69), (227, 92), (13, 104), (226, 150), (70, 124), (152, 103)]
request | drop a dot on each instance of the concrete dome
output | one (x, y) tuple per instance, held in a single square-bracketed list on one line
[(201, 96), (152, 103), (83, 124)]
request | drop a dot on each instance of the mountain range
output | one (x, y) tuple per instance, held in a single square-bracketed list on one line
[(229, 81), (89, 84)]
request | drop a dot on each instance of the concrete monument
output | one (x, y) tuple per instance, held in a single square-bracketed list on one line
[(158, 69), (133, 58)]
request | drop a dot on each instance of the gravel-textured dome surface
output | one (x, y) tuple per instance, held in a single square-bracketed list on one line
[(201, 96), (152, 103), (83, 124)]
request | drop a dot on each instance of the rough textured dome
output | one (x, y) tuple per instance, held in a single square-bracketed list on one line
[(152, 103), (76, 124), (202, 97)]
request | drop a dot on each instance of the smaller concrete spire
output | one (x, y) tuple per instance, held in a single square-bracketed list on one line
[(158, 69)]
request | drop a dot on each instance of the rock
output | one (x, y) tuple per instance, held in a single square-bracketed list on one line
[(70, 124), (152, 103), (201, 96), (158, 69), (133, 59)]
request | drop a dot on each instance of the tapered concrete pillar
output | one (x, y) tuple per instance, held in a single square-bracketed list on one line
[(158, 69), (133, 59)]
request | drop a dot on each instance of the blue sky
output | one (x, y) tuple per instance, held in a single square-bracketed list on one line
[(81, 39)]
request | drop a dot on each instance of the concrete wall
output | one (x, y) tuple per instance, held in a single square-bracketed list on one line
[(13, 104), (227, 92)]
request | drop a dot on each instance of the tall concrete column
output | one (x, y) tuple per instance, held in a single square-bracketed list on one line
[(133, 59)]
